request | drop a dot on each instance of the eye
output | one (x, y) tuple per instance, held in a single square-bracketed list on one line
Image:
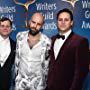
[(33, 22), (39, 24), (66, 19), (2, 26), (60, 19)]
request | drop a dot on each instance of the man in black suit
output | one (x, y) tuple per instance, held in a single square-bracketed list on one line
[(69, 56), (7, 53)]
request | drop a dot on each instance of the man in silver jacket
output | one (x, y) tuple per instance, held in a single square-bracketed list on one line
[(32, 56)]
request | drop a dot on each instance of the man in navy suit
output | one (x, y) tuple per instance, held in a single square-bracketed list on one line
[(7, 53), (69, 64)]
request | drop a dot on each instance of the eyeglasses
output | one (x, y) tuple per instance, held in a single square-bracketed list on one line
[(3, 26)]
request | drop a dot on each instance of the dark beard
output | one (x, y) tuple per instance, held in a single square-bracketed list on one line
[(33, 33)]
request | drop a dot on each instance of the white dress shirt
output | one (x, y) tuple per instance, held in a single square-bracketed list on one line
[(31, 64), (4, 49), (59, 43)]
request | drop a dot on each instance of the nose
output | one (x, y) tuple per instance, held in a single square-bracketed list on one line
[(35, 25), (63, 21)]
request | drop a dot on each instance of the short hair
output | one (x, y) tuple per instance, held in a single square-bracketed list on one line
[(67, 11), (6, 19)]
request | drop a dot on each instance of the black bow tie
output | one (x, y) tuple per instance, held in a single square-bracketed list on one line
[(61, 36)]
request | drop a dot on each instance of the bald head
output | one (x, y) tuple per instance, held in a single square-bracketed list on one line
[(38, 17), (36, 22)]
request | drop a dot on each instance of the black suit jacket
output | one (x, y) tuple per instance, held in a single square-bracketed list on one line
[(5, 71), (71, 66)]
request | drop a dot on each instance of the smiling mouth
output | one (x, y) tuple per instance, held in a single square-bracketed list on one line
[(63, 26), (5, 30)]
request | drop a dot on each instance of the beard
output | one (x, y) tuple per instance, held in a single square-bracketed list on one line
[(33, 33)]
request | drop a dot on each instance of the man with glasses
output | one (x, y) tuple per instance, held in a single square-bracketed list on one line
[(7, 53)]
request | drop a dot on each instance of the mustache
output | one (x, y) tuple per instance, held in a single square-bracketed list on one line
[(33, 28)]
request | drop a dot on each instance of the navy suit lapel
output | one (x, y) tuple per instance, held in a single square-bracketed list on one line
[(10, 58)]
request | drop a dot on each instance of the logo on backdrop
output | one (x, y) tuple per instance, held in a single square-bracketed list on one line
[(72, 2), (26, 5)]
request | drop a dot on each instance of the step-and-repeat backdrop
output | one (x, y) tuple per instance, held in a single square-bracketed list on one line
[(20, 11)]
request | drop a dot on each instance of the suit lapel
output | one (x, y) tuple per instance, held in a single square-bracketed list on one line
[(52, 48), (12, 53), (66, 44)]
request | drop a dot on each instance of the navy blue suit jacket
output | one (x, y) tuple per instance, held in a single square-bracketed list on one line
[(5, 71)]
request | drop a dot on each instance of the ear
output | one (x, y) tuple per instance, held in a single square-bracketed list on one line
[(29, 22), (43, 22), (71, 23)]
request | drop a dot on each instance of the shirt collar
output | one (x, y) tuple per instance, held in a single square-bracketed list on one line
[(40, 36), (67, 33), (2, 39)]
